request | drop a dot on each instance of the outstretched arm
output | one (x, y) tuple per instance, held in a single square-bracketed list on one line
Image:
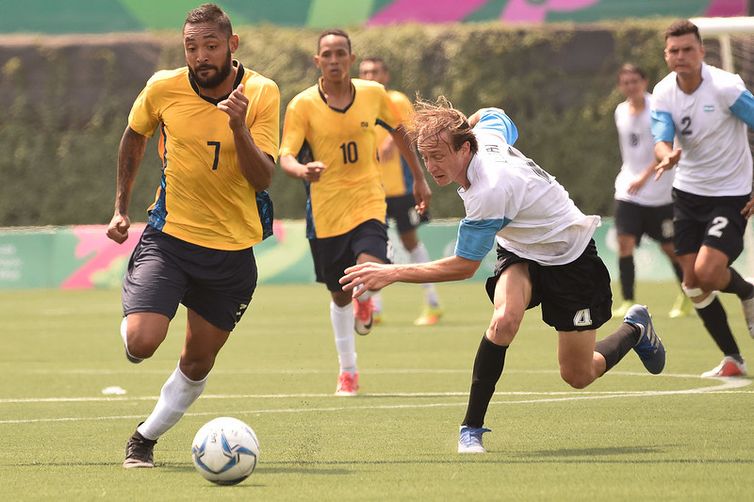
[(130, 155), (375, 276)]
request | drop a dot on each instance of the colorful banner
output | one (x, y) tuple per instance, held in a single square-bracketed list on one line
[(106, 16), (83, 257)]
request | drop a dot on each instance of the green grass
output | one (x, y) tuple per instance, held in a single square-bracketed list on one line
[(617, 440)]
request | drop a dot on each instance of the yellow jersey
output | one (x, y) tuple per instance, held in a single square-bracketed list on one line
[(396, 175), (349, 191), (203, 197)]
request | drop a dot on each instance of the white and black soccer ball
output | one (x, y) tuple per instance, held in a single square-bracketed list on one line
[(225, 451)]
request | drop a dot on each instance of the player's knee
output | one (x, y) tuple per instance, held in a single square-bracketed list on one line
[(504, 327), (141, 346), (707, 278), (575, 377)]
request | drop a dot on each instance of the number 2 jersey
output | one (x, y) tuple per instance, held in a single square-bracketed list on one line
[(203, 197), (514, 201), (349, 191), (709, 125)]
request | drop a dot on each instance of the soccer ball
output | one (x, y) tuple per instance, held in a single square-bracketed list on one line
[(225, 451)]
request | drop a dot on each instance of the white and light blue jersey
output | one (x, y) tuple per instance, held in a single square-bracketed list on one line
[(637, 150), (513, 201), (709, 125)]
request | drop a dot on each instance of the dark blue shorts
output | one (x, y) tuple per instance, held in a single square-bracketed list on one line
[(332, 255), (402, 209), (164, 271)]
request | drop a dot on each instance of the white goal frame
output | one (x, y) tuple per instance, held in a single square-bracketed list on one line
[(722, 28)]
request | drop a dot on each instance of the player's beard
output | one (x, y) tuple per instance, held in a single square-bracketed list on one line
[(217, 78)]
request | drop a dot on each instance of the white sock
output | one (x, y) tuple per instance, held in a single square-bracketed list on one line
[(377, 302), (420, 255), (366, 295), (178, 393), (345, 341), (124, 336)]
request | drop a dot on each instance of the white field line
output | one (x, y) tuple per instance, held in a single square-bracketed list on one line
[(385, 394), (725, 386)]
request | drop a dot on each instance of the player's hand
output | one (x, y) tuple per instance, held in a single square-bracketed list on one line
[(313, 170), (235, 106), (422, 195), (635, 185), (118, 228), (366, 276), (668, 162), (748, 209)]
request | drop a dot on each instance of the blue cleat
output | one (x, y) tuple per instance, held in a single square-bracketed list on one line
[(470, 439), (649, 347)]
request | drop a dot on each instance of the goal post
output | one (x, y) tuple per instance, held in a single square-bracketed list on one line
[(723, 28)]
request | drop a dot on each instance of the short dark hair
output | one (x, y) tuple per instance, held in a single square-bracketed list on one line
[(682, 27), (375, 59), (338, 33), (210, 13), (631, 68)]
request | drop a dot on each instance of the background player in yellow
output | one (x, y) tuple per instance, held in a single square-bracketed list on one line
[(218, 124), (329, 142), (398, 180)]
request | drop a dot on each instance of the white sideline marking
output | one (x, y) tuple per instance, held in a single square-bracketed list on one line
[(725, 386)]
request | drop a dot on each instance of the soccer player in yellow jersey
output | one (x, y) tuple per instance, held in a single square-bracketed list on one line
[(219, 132), (397, 180), (329, 142)]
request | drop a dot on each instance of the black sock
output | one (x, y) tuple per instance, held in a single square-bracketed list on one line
[(716, 321), (488, 366), (617, 345), (678, 272), (738, 285), (627, 276)]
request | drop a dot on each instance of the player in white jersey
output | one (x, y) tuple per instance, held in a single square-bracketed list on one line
[(705, 110), (643, 205), (546, 256)]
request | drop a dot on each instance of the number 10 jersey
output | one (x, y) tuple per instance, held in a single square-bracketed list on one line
[(349, 191)]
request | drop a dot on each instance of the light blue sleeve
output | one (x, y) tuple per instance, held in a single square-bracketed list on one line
[(743, 108), (496, 120), (477, 237), (663, 128)]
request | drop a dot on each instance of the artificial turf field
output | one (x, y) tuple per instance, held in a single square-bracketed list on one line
[(629, 436)]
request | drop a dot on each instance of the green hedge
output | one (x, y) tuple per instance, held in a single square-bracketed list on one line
[(65, 105)]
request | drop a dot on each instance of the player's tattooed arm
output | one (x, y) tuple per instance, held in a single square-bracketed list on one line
[(130, 155)]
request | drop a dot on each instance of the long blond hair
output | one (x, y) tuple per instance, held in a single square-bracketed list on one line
[(431, 119)]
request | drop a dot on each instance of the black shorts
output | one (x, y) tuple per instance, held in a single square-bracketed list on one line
[(164, 271), (402, 209), (709, 221), (574, 297), (332, 255), (637, 220)]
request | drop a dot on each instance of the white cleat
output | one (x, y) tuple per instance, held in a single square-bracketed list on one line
[(728, 367)]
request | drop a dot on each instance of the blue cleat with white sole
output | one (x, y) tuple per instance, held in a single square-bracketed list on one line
[(649, 347), (470, 439)]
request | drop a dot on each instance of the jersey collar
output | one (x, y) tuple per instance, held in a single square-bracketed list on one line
[(214, 101), (324, 98)]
